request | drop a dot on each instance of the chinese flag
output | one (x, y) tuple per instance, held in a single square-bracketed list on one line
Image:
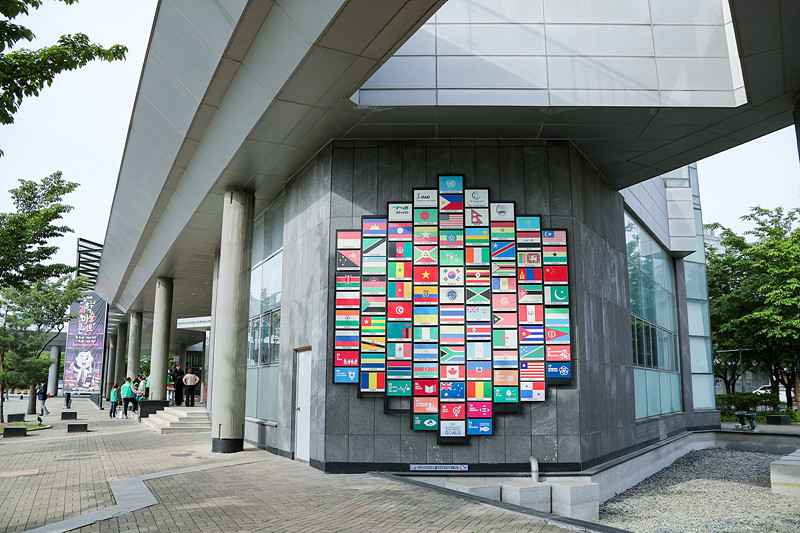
[(555, 274)]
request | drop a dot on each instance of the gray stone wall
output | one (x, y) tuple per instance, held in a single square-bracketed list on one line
[(579, 424)]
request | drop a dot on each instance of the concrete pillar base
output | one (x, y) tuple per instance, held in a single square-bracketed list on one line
[(227, 445)]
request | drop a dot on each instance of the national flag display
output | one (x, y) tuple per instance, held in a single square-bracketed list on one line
[(374, 227), (348, 260), (477, 255), (451, 238), (455, 302), (400, 231), (348, 239), (400, 270), (348, 282), (400, 251), (451, 257)]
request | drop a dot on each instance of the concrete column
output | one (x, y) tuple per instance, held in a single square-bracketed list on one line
[(55, 363), (120, 366), (111, 355), (134, 343), (210, 336), (180, 359), (231, 313), (162, 326)]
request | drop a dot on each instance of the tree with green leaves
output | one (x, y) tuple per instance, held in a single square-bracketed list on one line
[(31, 317), (26, 72), (35, 294), (754, 293)]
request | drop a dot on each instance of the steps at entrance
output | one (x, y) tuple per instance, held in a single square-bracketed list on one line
[(179, 420)]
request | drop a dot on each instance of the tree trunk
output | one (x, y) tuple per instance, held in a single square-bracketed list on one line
[(32, 400), (2, 398)]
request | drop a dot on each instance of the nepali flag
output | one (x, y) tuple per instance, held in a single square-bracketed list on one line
[(400, 231), (374, 227)]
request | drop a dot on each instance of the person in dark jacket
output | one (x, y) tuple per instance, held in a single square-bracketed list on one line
[(177, 379), (41, 393)]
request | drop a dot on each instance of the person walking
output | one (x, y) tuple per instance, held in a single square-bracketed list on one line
[(127, 396), (114, 400), (147, 386), (41, 393), (190, 382)]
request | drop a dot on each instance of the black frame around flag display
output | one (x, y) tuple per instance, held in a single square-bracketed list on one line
[(455, 302)]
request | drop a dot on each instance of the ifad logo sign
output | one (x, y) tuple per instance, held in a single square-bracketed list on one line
[(558, 370)]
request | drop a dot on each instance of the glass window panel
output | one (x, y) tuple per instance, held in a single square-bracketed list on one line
[(635, 289), (659, 265), (662, 354), (653, 393), (654, 345), (635, 344), (648, 299), (267, 408), (669, 275), (640, 392), (271, 277), (661, 306), (252, 345), (698, 319), (703, 391), (675, 385), (273, 229), (666, 392), (696, 286), (263, 340), (255, 291), (275, 337), (700, 350), (647, 253), (258, 241), (632, 240), (251, 392)]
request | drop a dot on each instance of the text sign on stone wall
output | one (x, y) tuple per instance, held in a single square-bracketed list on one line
[(457, 302)]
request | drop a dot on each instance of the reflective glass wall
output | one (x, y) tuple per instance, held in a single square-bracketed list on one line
[(697, 303), (651, 281), (264, 333)]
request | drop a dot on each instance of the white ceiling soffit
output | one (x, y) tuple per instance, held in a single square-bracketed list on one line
[(230, 96), (566, 53)]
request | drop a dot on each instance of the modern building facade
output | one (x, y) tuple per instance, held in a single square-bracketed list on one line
[(266, 134)]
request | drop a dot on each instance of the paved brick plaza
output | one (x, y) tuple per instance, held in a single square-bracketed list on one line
[(249, 491)]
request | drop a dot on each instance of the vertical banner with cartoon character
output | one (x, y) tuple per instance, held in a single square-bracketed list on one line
[(84, 361)]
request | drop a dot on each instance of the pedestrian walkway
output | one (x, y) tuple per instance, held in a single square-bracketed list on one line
[(197, 490)]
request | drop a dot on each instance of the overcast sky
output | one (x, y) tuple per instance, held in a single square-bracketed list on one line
[(79, 126)]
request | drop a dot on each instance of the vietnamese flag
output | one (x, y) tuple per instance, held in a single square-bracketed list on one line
[(556, 274), (400, 311), (427, 275)]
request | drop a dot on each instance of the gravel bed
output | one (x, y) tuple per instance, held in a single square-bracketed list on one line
[(706, 491)]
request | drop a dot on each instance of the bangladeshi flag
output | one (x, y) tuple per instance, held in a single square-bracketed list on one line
[(555, 274)]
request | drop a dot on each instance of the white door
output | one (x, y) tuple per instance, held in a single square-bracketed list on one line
[(302, 418)]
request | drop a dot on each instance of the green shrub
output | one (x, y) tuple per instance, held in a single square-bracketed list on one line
[(727, 404)]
